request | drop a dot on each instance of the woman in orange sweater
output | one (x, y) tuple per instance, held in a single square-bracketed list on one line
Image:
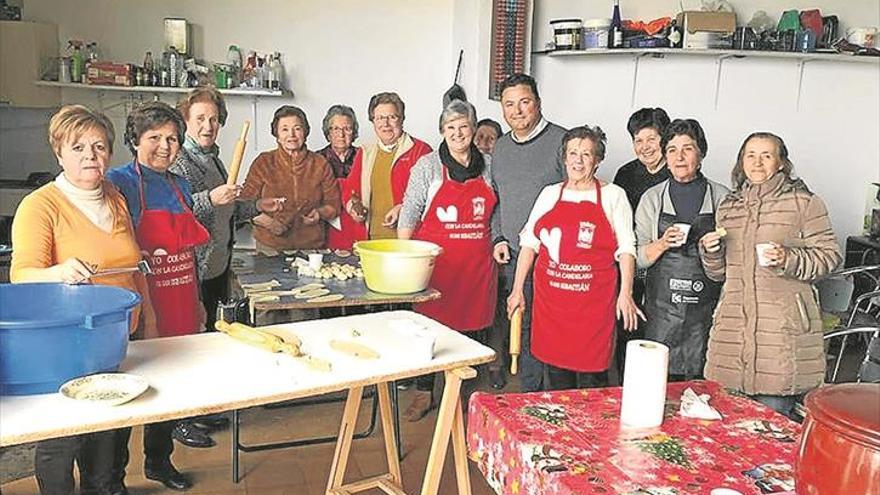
[(66, 231)]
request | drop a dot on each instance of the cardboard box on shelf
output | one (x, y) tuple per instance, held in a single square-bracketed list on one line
[(706, 29), (110, 73)]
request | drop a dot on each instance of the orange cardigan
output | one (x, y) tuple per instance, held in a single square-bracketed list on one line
[(48, 229)]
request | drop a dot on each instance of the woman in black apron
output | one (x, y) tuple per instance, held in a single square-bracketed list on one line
[(670, 220)]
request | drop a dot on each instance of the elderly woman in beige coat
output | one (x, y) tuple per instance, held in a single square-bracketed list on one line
[(774, 238)]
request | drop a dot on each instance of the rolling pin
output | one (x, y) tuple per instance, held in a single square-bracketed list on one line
[(515, 338), (238, 154)]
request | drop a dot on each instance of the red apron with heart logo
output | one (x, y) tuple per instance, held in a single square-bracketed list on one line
[(351, 231), (169, 238), (575, 284), (465, 274)]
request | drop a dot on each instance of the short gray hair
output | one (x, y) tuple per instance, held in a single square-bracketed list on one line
[(457, 109), (340, 111)]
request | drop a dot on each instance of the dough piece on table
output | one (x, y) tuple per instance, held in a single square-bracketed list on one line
[(326, 298)]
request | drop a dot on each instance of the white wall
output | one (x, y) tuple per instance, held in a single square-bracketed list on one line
[(833, 134), (338, 50), (334, 51)]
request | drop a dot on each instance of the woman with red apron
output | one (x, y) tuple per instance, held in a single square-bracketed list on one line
[(577, 244), (168, 232), (340, 127), (466, 304), (170, 240), (449, 201)]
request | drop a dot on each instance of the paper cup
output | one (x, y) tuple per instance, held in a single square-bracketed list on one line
[(685, 228), (316, 260), (760, 250)]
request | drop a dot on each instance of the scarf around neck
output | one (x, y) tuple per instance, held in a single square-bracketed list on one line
[(459, 172)]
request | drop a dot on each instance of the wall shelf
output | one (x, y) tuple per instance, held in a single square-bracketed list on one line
[(719, 55), (162, 89), (660, 52), (135, 94)]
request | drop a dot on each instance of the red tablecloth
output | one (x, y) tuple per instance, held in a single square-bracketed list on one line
[(570, 443)]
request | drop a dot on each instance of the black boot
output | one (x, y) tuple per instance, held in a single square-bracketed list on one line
[(496, 378), (168, 475), (186, 433)]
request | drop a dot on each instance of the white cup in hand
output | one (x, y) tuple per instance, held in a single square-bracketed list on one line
[(684, 228), (761, 252)]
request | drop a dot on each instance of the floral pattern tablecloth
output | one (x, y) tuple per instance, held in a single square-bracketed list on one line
[(570, 443)]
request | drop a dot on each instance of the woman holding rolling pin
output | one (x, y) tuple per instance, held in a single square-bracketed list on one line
[(576, 235), (217, 207), (216, 202)]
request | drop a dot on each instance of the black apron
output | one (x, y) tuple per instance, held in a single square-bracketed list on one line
[(679, 298)]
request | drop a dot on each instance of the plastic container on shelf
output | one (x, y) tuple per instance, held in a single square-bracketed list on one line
[(51, 333), (567, 33), (596, 34)]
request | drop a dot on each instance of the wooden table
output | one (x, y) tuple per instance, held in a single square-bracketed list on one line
[(250, 268), (209, 373), (570, 443)]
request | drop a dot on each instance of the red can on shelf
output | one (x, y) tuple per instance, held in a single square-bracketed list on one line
[(840, 443)]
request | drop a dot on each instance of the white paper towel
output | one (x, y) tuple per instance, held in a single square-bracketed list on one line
[(644, 384)]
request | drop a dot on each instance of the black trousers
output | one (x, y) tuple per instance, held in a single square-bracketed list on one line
[(93, 453), (158, 446), (623, 337), (214, 290), (497, 339), (562, 379)]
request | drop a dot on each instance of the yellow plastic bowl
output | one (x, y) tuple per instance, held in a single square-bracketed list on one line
[(395, 266)]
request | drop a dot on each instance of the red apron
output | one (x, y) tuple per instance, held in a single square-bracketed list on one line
[(351, 231), (169, 238), (575, 283), (458, 221)]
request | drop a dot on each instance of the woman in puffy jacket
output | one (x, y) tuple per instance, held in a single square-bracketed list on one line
[(774, 238)]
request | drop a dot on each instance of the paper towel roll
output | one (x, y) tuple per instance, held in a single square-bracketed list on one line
[(644, 384)]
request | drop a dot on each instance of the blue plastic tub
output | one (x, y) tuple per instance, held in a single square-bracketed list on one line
[(51, 333)]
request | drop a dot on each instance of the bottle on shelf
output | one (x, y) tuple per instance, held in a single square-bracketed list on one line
[(149, 70), (77, 62), (276, 73), (233, 71), (173, 69), (263, 72), (92, 49), (615, 34)]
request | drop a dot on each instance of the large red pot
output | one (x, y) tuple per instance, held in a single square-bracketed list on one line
[(840, 443)]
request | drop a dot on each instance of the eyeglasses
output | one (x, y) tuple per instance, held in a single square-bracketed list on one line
[(389, 118), (344, 130)]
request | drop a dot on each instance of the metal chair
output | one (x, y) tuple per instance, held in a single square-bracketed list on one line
[(834, 293), (869, 368)]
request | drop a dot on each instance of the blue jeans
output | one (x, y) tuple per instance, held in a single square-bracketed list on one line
[(531, 371), (783, 404)]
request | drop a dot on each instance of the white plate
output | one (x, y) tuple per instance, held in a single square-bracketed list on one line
[(109, 389)]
